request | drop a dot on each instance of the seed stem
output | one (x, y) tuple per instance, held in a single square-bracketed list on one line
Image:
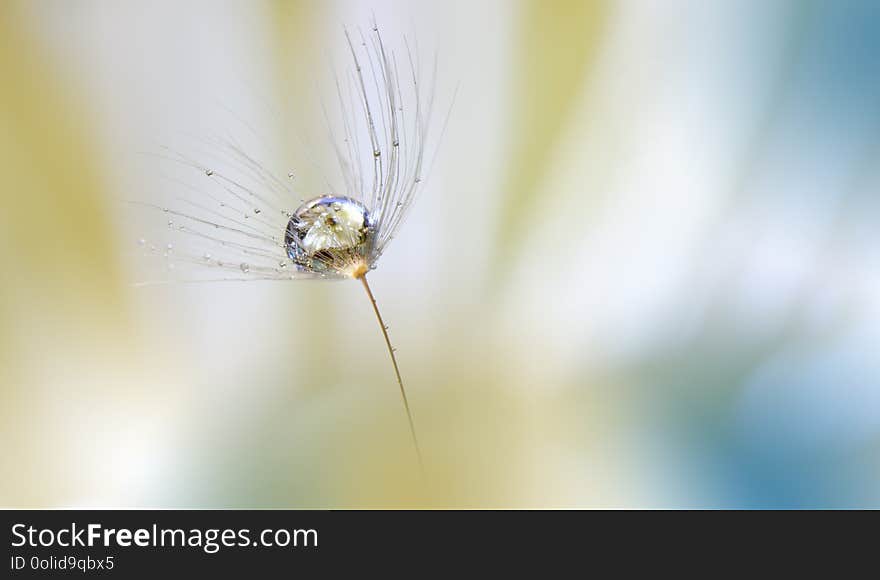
[(412, 429)]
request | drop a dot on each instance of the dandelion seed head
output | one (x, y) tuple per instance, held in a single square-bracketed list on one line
[(236, 220)]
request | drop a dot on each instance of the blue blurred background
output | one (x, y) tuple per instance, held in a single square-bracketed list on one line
[(645, 271)]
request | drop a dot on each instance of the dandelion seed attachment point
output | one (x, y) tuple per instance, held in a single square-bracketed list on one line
[(330, 234)]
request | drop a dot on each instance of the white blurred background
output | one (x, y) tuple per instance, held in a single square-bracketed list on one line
[(643, 273)]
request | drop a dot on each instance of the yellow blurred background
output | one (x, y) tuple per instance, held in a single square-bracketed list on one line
[(644, 271)]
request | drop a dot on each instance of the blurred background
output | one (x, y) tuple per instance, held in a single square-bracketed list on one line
[(645, 271)]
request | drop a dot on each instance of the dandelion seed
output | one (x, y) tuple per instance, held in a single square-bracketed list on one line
[(332, 235)]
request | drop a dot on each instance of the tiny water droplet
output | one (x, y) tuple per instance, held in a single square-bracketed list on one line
[(170, 223), (245, 267), (170, 247), (209, 172), (377, 153), (282, 264), (290, 175), (207, 256), (257, 210)]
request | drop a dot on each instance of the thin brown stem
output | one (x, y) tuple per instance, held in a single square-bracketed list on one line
[(412, 429)]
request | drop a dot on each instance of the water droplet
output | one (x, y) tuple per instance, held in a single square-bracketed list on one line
[(141, 242), (282, 264), (209, 172), (290, 175), (170, 223), (207, 256), (257, 210), (337, 206), (245, 267), (377, 153), (170, 247), (396, 143)]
